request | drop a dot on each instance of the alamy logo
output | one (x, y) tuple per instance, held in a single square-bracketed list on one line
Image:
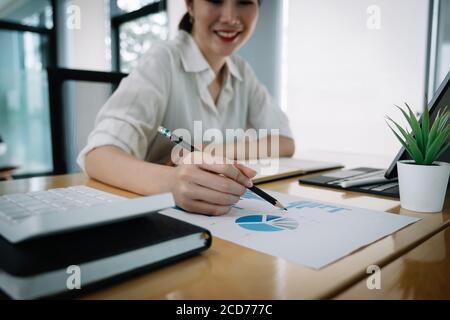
[(73, 17), (374, 17), (73, 282), (374, 280)]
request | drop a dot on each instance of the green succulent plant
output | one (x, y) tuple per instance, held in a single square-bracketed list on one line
[(426, 142)]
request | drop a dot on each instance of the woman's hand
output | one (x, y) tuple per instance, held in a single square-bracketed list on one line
[(210, 186)]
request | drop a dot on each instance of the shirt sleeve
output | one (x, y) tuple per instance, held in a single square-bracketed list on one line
[(263, 111), (130, 118)]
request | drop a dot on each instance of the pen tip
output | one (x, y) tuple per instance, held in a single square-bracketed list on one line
[(281, 206)]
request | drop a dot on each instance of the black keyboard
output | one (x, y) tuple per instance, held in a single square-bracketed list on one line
[(388, 189)]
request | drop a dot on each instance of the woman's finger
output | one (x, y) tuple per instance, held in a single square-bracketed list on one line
[(216, 182), (249, 172), (218, 166), (228, 170), (198, 192)]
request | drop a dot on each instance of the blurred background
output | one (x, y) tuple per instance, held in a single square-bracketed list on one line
[(336, 67)]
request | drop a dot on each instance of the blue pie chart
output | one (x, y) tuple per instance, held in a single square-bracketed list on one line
[(267, 223)]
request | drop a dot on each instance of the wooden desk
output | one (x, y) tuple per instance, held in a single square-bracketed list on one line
[(229, 271), (422, 273)]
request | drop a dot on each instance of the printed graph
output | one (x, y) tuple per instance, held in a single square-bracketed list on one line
[(298, 204), (267, 223), (318, 205), (251, 196)]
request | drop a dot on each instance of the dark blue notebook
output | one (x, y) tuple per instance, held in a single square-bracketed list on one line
[(41, 268)]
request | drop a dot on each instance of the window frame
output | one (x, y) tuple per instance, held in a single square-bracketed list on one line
[(49, 32), (52, 60), (119, 19)]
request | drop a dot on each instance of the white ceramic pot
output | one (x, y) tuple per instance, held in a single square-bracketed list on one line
[(423, 188)]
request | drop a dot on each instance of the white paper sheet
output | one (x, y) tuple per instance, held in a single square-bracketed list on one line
[(310, 233)]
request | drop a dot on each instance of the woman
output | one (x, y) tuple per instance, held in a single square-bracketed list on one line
[(194, 77)]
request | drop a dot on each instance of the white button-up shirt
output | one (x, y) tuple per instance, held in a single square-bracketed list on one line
[(169, 88)]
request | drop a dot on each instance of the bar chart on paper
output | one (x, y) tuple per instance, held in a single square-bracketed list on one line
[(311, 233)]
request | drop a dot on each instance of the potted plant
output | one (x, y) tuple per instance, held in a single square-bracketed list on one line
[(423, 180)]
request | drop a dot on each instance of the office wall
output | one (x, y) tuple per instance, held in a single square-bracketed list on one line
[(83, 45), (264, 50), (344, 74), (176, 9)]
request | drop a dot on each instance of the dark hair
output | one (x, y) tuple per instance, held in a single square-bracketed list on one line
[(186, 24)]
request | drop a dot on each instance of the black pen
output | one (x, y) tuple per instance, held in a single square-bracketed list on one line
[(179, 140)]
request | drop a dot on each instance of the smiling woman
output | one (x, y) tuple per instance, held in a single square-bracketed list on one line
[(194, 78), (186, 22), (220, 27)]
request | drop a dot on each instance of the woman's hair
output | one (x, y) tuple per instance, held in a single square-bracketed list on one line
[(186, 24)]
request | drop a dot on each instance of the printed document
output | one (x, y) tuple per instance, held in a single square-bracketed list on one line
[(311, 233)]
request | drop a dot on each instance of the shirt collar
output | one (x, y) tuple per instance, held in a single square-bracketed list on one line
[(193, 59), (232, 67)]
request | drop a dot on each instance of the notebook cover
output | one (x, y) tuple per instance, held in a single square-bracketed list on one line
[(298, 169), (288, 174), (56, 252)]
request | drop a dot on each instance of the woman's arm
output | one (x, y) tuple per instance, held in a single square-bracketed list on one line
[(207, 188), (269, 147), (115, 167)]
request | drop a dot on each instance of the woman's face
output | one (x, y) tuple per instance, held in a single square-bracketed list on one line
[(221, 27)]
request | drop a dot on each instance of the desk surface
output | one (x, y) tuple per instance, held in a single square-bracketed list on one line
[(229, 271), (422, 273)]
